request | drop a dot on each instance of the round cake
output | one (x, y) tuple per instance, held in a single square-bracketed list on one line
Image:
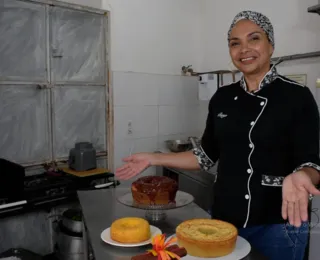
[(207, 237), (154, 190), (130, 230)]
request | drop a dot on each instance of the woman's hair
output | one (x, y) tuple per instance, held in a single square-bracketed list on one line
[(259, 19)]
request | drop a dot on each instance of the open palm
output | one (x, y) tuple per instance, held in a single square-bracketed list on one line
[(135, 164), (295, 197)]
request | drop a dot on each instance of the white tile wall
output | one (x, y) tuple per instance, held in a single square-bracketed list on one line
[(159, 107), (171, 120), (135, 89), (143, 119)]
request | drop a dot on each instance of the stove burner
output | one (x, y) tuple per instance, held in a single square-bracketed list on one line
[(55, 191), (3, 201), (35, 182)]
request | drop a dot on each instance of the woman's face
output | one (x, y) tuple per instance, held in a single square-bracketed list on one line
[(249, 48)]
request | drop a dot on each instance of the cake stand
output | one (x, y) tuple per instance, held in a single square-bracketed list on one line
[(156, 213)]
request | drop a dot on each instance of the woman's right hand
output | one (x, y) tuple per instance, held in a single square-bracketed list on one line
[(134, 165)]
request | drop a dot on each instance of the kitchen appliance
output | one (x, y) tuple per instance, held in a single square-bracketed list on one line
[(70, 245), (11, 181), (208, 85), (82, 157), (72, 220), (48, 190)]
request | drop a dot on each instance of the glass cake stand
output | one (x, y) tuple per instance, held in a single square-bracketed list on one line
[(155, 213)]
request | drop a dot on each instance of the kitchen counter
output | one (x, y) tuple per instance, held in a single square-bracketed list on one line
[(100, 208)]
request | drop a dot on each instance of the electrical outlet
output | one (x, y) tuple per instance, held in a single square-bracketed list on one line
[(318, 83), (129, 128)]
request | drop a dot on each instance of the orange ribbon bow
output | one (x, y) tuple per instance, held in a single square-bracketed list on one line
[(160, 245)]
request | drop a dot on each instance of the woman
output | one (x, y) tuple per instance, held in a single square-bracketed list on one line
[(264, 130)]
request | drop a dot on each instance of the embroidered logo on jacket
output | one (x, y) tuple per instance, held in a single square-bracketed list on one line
[(221, 115)]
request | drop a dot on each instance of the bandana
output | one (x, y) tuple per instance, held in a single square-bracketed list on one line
[(259, 19)]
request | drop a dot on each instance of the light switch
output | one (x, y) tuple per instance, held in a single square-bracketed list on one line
[(318, 83)]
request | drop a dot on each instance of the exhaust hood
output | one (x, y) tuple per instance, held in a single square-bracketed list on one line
[(315, 8)]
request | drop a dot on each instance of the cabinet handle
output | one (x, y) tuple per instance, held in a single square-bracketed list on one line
[(56, 53), (44, 86)]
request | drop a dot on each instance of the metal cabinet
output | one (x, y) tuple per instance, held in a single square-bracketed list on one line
[(202, 193), (22, 41), (24, 124), (77, 49), (63, 51), (79, 115)]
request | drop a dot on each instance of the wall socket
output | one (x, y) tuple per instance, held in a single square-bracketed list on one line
[(129, 128)]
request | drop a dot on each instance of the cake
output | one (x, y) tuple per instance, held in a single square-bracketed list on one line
[(154, 190), (207, 237), (130, 230)]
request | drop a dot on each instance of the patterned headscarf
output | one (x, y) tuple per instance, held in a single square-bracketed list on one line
[(259, 19)]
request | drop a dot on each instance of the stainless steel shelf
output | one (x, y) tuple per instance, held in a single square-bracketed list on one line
[(314, 9)]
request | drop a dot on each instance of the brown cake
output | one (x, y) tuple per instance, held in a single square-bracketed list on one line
[(154, 190)]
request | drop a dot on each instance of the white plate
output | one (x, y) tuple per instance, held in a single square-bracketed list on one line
[(241, 250), (105, 236)]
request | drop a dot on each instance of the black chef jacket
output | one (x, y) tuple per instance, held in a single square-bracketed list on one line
[(258, 138)]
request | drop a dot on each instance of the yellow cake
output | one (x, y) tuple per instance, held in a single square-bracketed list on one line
[(130, 230), (207, 237)]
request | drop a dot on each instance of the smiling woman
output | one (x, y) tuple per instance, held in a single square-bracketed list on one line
[(267, 144), (251, 45), (247, 35)]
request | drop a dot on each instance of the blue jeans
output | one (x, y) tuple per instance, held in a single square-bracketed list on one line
[(278, 241)]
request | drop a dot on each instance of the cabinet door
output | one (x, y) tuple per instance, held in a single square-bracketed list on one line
[(79, 115), (22, 41), (24, 124), (203, 194), (77, 47)]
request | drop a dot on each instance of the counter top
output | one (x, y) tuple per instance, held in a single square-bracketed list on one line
[(100, 208)]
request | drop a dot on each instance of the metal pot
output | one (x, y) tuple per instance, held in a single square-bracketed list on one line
[(72, 220), (69, 243), (62, 256)]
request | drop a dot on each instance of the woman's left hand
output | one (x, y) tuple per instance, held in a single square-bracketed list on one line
[(296, 189)]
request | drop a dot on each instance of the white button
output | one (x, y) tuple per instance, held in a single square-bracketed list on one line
[(247, 196), (262, 103), (252, 123), (251, 145), (249, 171), (235, 98)]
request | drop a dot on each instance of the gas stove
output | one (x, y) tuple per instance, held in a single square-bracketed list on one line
[(47, 189), (44, 187)]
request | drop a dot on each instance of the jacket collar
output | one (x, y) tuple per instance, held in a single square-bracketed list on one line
[(268, 78)]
